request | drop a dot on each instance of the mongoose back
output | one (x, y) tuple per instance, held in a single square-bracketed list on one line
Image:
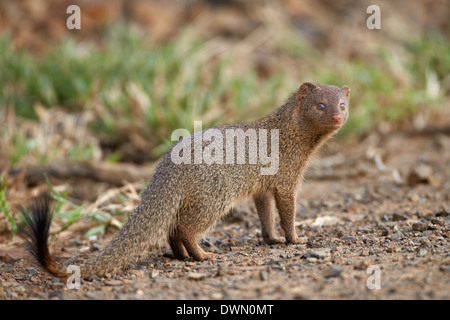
[(184, 200)]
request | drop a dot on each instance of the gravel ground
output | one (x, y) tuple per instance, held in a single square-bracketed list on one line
[(365, 236)]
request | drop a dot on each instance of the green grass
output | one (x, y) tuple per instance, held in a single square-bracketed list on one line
[(66, 211), (136, 85), (4, 207), (69, 212)]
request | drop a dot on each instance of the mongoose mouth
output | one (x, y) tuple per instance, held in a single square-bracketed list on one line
[(333, 125)]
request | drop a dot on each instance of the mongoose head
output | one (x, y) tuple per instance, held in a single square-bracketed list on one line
[(323, 107)]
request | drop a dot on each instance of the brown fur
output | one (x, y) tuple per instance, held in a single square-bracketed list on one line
[(183, 201)]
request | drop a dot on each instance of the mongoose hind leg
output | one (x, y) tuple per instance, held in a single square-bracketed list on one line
[(265, 207), (188, 238), (178, 249)]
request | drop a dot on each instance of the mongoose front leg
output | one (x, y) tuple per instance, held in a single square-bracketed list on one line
[(286, 208), (264, 204)]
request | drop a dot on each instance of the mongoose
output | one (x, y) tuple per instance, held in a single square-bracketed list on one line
[(183, 201)]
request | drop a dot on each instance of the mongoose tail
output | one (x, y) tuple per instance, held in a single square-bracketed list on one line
[(130, 241), (36, 231)]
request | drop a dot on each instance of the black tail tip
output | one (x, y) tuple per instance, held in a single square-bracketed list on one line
[(37, 214)]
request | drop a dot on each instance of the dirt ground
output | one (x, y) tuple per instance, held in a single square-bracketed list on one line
[(368, 234)]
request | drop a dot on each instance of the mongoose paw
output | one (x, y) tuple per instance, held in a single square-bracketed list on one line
[(176, 256), (204, 256), (274, 240), (295, 240)]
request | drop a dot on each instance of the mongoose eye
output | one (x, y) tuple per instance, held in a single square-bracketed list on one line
[(343, 107), (321, 106)]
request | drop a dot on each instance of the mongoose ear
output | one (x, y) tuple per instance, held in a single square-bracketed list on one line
[(346, 90), (304, 89)]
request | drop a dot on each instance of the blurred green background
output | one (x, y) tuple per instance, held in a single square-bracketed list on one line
[(136, 70)]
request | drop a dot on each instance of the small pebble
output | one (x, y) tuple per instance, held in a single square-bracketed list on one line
[(216, 295), (139, 292), (332, 271), (419, 226), (398, 216), (154, 274), (92, 278), (318, 254), (95, 246), (397, 236), (197, 275), (222, 269), (113, 283), (422, 252)]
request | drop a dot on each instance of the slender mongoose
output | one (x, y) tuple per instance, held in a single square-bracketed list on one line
[(196, 183)]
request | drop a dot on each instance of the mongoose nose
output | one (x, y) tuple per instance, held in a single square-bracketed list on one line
[(336, 117)]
